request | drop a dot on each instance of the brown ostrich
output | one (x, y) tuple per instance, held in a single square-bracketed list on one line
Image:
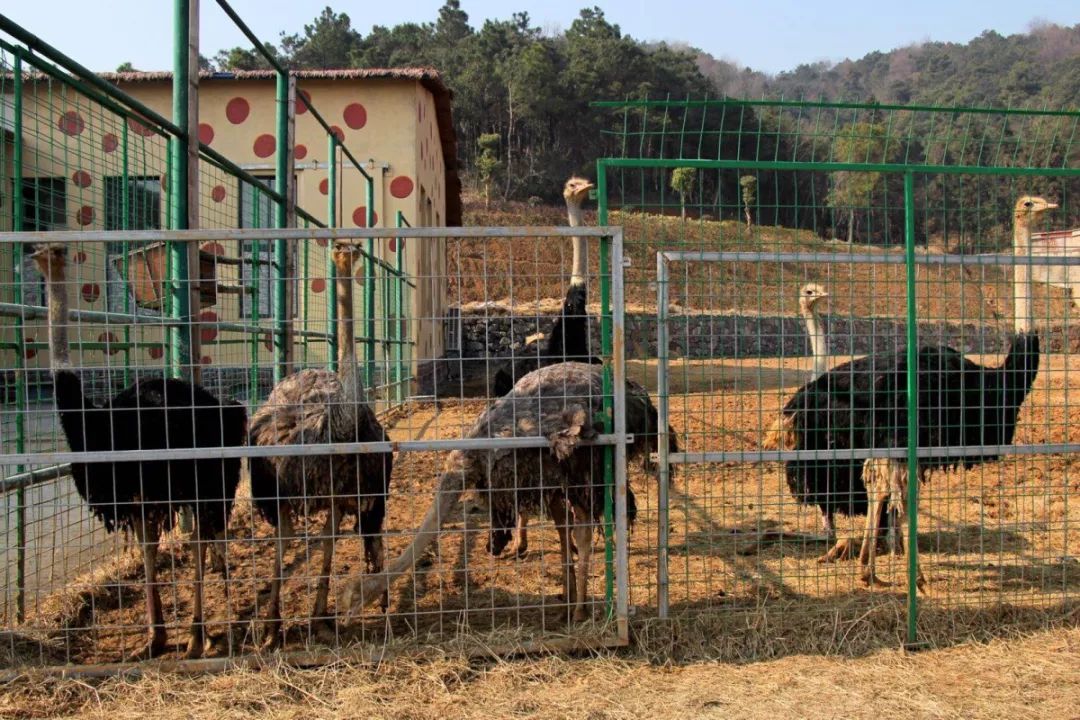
[(318, 406), (567, 341), (561, 403), (144, 496)]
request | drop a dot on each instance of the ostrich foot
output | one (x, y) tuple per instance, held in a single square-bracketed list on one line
[(842, 550), (273, 636), (870, 579), (154, 647), (195, 647)]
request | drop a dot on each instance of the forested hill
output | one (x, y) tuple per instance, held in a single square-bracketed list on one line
[(523, 92)]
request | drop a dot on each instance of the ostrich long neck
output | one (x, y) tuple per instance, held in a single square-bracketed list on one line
[(581, 256), (58, 319), (1023, 318), (348, 370), (818, 347)]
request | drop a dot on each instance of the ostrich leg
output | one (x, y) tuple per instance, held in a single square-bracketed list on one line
[(146, 534), (521, 543), (557, 510), (374, 555), (274, 631), (583, 538), (329, 537), (198, 630)]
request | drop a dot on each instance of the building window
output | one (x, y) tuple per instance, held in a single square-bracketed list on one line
[(256, 211), (44, 209), (131, 203), (44, 203)]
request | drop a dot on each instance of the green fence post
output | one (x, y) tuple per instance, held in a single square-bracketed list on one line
[(281, 251), (369, 294), (125, 221), (18, 253), (608, 389), (331, 221), (912, 499), (180, 348)]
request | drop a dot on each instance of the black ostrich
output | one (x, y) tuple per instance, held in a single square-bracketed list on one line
[(863, 404), (144, 496), (567, 342)]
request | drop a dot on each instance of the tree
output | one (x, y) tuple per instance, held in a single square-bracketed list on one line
[(242, 58), (126, 67), (748, 183), (682, 182), (861, 142), (488, 163), (328, 42)]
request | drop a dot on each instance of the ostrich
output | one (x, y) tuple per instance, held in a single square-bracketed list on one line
[(569, 337), (143, 496), (809, 296), (318, 406), (558, 402), (568, 341), (863, 404)]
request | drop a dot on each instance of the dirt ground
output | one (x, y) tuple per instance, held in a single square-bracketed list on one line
[(997, 544)]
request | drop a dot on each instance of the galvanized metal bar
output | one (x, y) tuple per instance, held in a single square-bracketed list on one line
[(125, 222), (618, 367), (912, 499), (989, 259), (794, 165), (314, 449), (30, 478), (755, 456), (663, 440), (399, 303), (98, 316), (340, 235)]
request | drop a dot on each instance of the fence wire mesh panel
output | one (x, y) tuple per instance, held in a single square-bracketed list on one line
[(336, 483), (821, 262)]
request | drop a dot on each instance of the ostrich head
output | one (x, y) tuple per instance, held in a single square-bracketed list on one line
[(577, 190), (344, 257), (51, 259), (810, 295), (1029, 207)]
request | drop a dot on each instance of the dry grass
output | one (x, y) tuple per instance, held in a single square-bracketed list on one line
[(1022, 677)]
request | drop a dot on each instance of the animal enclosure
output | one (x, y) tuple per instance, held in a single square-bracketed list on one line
[(806, 376)]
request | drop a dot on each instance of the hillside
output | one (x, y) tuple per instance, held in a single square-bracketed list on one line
[(532, 276)]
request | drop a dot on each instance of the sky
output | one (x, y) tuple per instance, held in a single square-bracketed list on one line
[(767, 35)]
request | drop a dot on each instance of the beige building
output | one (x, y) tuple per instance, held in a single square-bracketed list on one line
[(85, 167)]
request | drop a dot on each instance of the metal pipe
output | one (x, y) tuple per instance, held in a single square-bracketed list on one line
[(989, 259), (618, 364), (33, 312), (912, 499), (179, 278), (39, 46), (755, 456), (369, 291), (399, 312), (125, 222), (30, 478), (20, 351), (791, 165), (281, 250), (662, 440), (309, 450), (332, 221)]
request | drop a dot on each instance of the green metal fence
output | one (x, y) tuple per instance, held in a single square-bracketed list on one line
[(78, 153), (904, 218)]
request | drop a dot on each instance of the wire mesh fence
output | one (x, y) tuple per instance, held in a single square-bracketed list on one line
[(333, 486), (809, 261)]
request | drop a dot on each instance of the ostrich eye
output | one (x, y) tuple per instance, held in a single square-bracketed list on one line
[(1028, 204)]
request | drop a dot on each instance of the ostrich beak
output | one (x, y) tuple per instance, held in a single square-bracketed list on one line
[(1051, 206)]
